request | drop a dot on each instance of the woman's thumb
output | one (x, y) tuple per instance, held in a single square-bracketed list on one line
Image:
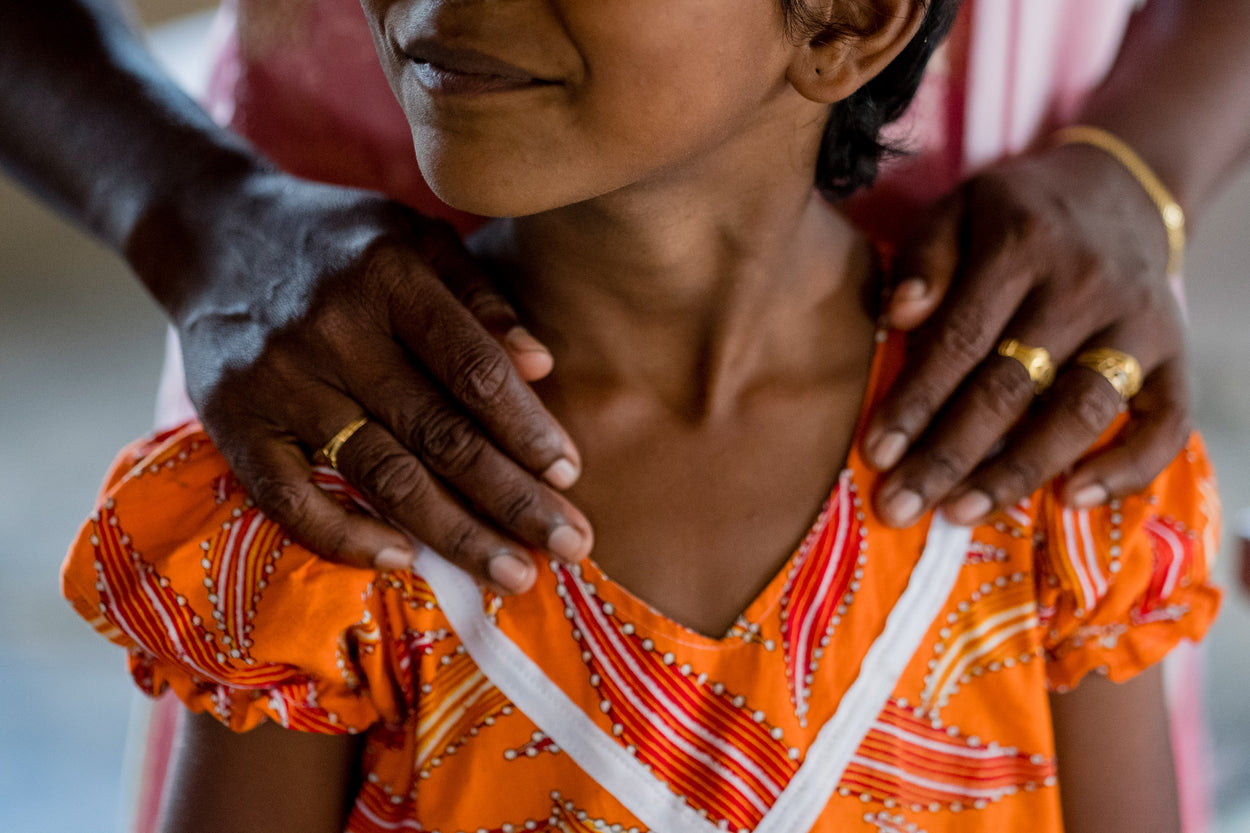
[(924, 266)]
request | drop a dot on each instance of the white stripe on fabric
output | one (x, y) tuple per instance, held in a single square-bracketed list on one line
[(1177, 550), (1076, 559), (983, 649), (931, 582), (806, 633), (984, 753), (1091, 557), (970, 639), (991, 794)]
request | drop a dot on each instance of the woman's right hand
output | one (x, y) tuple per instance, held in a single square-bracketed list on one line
[(300, 308)]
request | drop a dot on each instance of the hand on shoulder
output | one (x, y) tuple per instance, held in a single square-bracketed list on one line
[(307, 307), (1060, 249)]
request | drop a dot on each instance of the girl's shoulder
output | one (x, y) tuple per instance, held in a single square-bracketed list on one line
[(1110, 589), (214, 600)]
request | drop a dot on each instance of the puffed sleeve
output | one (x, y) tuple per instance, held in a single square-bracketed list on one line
[(213, 601), (1120, 586)]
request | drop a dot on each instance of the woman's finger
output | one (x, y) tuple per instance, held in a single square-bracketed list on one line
[(942, 353), (277, 475), (478, 375), (401, 488), (984, 410), (1157, 432), (471, 287), (444, 254), (451, 447), (924, 266), (1082, 406)]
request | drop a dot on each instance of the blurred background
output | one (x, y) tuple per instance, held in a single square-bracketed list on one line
[(80, 351)]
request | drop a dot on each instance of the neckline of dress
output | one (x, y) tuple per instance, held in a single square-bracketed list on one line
[(646, 618)]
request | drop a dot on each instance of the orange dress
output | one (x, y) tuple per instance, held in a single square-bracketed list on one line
[(884, 680)]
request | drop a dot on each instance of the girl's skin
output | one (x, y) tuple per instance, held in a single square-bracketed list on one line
[(669, 247)]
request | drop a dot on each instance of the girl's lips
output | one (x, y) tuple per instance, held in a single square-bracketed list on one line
[(447, 69), (443, 80)]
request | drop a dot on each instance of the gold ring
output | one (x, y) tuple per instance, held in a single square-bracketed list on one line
[(330, 450), (1035, 360), (1117, 367)]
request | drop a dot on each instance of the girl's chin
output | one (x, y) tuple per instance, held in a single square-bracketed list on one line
[(488, 197), (495, 185)]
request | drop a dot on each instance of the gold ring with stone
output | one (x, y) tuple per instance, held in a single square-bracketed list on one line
[(1035, 360), (1117, 367), (330, 451)]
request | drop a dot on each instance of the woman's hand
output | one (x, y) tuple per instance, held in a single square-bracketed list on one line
[(1060, 249), (302, 307)]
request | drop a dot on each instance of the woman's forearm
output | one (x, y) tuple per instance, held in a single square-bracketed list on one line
[(95, 127), (1179, 93)]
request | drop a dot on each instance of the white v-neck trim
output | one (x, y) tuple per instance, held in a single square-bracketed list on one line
[(632, 784)]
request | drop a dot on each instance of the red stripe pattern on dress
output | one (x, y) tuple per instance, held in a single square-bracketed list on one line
[(820, 586), (905, 758), (707, 746)]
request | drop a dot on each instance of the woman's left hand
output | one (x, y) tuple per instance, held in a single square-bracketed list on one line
[(1061, 249)]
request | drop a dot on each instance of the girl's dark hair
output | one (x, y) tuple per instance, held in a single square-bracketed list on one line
[(852, 150)]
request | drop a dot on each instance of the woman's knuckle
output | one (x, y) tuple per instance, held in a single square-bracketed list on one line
[(911, 405), (944, 466), (1003, 390), (1016, 478), (536, 439), (481, 378), (963, 337), (448, 443), (393, 479), (383, 266), (1025, 226), (480, 299), (1093, 407), (1138, 473), (517, 505), (1171, 438), (286, 503), (461, 542)]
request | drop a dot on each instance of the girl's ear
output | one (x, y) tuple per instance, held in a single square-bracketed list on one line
[(860, 39)]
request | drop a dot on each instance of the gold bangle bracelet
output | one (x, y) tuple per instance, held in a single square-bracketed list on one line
[(1170, 210)]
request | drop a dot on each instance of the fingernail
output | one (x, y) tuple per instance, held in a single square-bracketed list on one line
[(888, 449), (393, 558), (510, 573), (566, 543), (562, 473), (519, 340), (1090, 496), (902, 508), (912, 289), (969, 507)]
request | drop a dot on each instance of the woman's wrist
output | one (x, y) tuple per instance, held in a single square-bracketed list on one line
[(1103, 184), (1170, 212), (180, 208)]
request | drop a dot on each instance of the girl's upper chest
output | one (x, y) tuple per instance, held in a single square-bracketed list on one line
[(696, 518)]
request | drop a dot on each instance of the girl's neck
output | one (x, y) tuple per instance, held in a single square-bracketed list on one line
[(692, 298), (711, 351)]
